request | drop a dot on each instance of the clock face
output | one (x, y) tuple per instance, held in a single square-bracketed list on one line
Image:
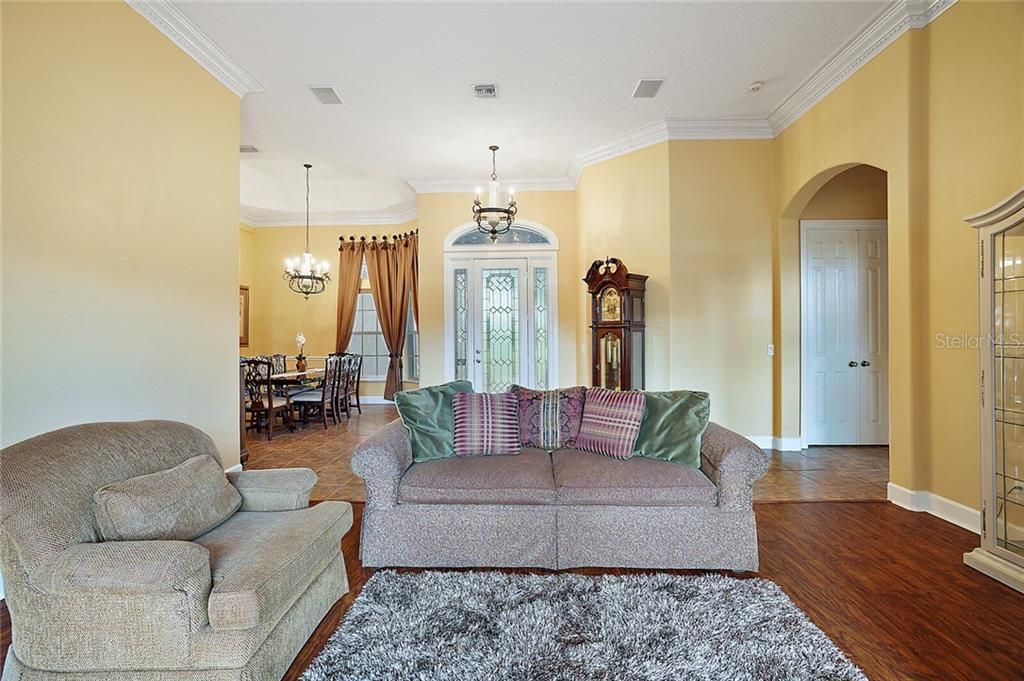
[(611, 305)]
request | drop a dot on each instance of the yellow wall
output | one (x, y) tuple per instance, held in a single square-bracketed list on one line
[(941, 111), (623, 207), (722, 212), (855, 194), (120, 180)]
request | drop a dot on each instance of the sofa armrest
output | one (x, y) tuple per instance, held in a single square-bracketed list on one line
[(381, 461), (281, 489), (734, 464), (127, 567)]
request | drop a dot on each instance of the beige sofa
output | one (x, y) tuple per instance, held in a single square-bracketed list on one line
[(236, 603)]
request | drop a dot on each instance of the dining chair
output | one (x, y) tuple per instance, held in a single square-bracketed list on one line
[(262, 402), (322, 399), (355, 371), (279, 362)]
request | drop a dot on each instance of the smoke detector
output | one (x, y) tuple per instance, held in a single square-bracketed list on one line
[(647, 88), (485, 91), (247, 149), (326, 94)]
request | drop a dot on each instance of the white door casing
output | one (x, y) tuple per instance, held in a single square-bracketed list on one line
[(844, 332)]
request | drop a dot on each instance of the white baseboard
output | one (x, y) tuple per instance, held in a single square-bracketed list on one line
[(788, 444), (367, 399), (940, 507), (234, 469), (784, 444)]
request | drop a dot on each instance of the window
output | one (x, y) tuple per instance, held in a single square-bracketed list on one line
[(367, 339), (411, 361)]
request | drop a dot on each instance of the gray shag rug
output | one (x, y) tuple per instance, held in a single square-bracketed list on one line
[(460, 626)]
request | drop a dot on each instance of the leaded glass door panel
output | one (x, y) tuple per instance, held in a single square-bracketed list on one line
[(500, 354)]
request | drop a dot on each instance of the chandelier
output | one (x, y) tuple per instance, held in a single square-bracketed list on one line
[(305, 274), (491, 219)]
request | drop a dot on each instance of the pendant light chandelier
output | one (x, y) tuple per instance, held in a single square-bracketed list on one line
[(491, 219), (305, 274)]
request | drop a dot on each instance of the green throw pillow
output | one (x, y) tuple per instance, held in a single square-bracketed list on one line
[(672, 426), (427, 414)]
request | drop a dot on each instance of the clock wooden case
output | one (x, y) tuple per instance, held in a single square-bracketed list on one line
[(617, 324)]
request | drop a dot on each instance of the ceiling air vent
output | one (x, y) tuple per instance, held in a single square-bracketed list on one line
[(247, 149), (647, 87), (486, 91), (326, 94)]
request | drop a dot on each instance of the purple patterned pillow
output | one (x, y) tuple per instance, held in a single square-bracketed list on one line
[(549, 419), (611, 422), (486, 424)]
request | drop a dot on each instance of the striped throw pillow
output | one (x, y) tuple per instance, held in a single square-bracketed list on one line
[(486, 424), (549, 419), (611, 422)]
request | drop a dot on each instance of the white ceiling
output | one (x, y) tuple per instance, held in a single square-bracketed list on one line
[(565, 74)]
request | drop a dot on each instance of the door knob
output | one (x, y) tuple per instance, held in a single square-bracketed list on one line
[(853, 364), (865, 363)]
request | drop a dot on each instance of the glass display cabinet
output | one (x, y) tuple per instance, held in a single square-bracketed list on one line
[(1001, 269), (616, 324)]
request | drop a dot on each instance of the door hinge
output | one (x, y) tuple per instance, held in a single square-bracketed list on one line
[(981, 257), (984, 518), (982, 387)]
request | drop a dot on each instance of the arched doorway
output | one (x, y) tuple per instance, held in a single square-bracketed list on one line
[(832, 243), (501, 307)]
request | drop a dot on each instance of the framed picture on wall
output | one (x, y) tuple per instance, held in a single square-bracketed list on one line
[(243, 316)]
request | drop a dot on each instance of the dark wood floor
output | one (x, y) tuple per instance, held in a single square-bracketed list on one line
[(887, 585)]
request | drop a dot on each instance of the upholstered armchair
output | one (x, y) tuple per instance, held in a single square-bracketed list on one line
[(234, 603)]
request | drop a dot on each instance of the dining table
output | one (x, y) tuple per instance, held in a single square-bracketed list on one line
[(292, 378)]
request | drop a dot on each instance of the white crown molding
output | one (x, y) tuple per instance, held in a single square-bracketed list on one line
[(396, 215), (432, 186), (883, 30), (186, 35)]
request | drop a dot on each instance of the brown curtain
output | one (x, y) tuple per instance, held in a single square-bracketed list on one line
[(387, 264), (413, 244), (350, 262)]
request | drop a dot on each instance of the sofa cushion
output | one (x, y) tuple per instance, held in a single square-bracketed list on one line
[(427, 415), (611, 422), (549, 419), (486, 424), (178, 503), (522, 479), (261, 562), (673, 424), (584, 478)]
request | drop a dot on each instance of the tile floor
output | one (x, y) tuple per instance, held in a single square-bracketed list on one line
[(815, 474)]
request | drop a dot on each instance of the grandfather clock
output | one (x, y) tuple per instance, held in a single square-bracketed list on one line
[(616, 324)]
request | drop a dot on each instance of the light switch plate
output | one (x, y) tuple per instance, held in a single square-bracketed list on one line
[(771, 349)]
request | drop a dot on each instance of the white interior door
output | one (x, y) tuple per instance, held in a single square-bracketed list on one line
[(845, 329), (499, 324), (873, 382)]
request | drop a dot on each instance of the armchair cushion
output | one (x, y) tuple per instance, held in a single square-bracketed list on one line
[(262, 562), (280, 489), (125, 567), (178, 503)]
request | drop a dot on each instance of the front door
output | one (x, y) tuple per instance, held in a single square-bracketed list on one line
[(845, 332), (499, 328)]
